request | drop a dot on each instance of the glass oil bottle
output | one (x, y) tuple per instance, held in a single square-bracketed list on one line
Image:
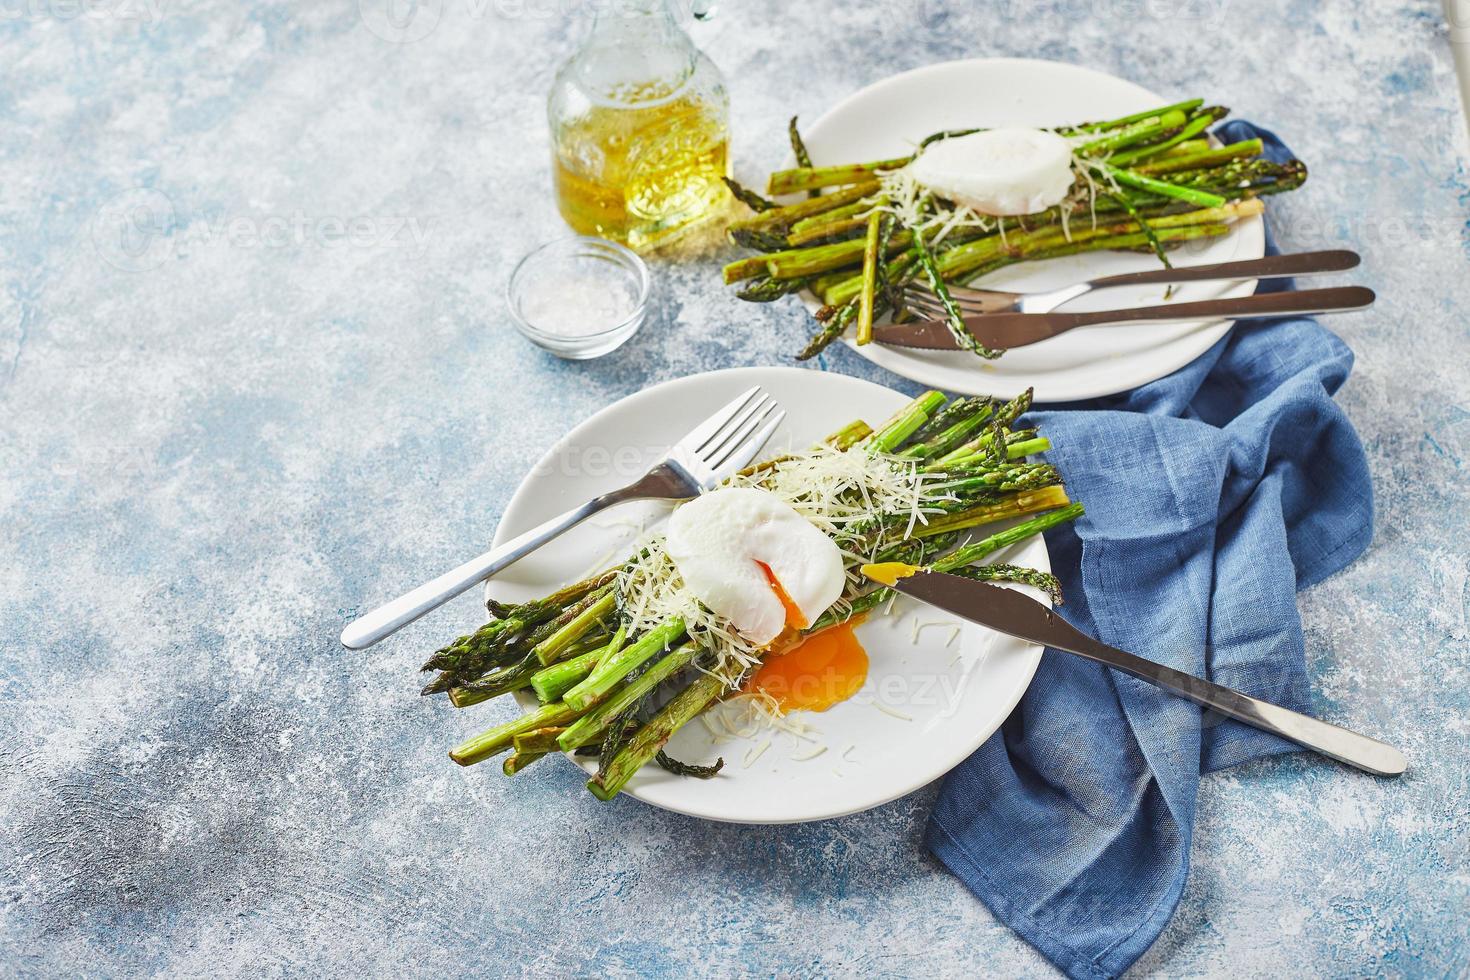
[(639, 129)]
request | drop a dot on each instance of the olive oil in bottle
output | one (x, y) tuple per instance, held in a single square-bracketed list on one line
[(639, 128)]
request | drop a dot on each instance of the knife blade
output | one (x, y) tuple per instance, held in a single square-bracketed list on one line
[(1003, 331), (1016, 614)]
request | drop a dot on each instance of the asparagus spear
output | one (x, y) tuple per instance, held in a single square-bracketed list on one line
[(1009, 478), (1155, 186), (799, 150), (798, 262), (655, 734), (1045, 581), (1143, 129), (550, 649), (977, 551), (1147, 229), (617, 666), (830, 331), (849, 435), (815, 225), (771, 239), (552, 682), (1028, 502), (808, 178), (494, 683), (496, 643), (1188, 105), (537, 741), (678, 768), (904, 423), (890, 274), (747, 196), (779, 219), (954, 317), (766, 289), (950, 427), (499, 738), (1203, 157), (828, 233), (1198, 123), (594, 722), (870, 279)]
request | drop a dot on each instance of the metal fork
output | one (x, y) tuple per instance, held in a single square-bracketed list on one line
[(716, 449), (918, 295)]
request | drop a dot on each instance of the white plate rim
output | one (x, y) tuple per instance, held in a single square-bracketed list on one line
[(1196, 336), (516, 520)]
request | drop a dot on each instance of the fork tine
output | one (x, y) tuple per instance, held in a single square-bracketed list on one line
[(929, 303), (970, 291), (742, 454), (966, 292), (924, 303), (921, 297), (710, 427), (718, 459), (726, 436)]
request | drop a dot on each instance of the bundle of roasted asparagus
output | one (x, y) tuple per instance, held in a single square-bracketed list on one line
[(614, 683), (1147, 181)]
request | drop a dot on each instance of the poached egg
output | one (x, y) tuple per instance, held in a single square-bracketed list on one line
[(752, 559), (998, 171)]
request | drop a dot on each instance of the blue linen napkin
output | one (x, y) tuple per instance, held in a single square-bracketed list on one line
[(1212, 496)]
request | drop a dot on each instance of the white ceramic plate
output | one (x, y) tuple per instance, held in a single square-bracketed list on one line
[(926, 705), (888, 118)]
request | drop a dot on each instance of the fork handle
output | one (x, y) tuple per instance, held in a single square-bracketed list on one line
[(1270, 267), (390, 617), (1303, 303)]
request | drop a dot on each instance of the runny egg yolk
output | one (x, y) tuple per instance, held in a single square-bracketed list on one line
[(824, 669), (794, 619)]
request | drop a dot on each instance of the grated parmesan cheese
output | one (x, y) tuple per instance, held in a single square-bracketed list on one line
[(892, 712), (754, 754), (922, 624)]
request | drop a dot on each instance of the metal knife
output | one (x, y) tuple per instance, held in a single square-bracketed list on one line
[(1002, 331), (1015, 614)]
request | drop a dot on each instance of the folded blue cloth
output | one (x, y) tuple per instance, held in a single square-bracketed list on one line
[(1212, 496)]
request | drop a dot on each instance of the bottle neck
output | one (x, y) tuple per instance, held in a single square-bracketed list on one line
[(643, 22), (635, 52)]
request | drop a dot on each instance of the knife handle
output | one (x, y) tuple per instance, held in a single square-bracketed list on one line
[(1289, 303), (1270, 267), (1355, 750)]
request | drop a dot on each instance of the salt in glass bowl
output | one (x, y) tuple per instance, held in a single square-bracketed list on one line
[(579, 297)]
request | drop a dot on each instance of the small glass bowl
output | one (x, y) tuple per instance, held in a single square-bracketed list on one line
[(579, 297)]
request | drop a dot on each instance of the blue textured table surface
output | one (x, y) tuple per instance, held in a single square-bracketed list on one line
[(216, 442)]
